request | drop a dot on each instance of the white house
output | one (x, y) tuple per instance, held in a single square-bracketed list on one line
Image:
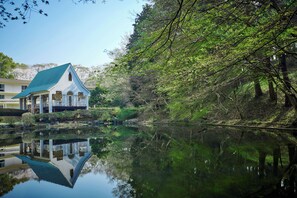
[(53, 90), (8, 89)]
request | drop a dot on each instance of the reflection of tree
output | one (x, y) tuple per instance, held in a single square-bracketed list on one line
[(123, 189), (212, 163), (185, 163), (7, 182), (99, 146)]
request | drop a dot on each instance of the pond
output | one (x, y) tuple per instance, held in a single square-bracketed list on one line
[(147, 162)]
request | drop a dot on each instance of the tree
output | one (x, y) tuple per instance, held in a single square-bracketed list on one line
[(98, 97), (198, 47), (6, 66)]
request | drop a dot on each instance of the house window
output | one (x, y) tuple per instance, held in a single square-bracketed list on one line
[(24, 87), (69, 77), (2, 163), (2, 87), (2, 96), (1, 106)]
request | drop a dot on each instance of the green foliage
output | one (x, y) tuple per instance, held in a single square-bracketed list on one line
[(183, 57), (28, 119), (102, 114), (98, 97), (127, 113), (11, 120), (62, 116), (7, 183), (201, 113), (106, 116), (6, 66), (99, 146)]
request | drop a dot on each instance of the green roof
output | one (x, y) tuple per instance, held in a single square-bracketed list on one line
[(46, 171), (44, 80)]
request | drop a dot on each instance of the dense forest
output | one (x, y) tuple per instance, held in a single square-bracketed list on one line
[(229, 59)]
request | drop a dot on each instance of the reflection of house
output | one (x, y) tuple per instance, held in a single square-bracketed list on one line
[(8, 161), (55, 89), (56, 161), (8, 89)]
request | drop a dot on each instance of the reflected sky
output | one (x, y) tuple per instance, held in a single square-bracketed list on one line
[(92, 185)]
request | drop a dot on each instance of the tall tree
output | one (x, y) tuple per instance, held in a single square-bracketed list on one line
[(6, 66)]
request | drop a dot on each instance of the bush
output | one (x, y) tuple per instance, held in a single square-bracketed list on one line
[(96, 114), (11, 120), (127, 113), (106, 116), (28, 119)]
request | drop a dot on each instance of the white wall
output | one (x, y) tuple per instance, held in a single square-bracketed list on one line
[(12, 88), (65, 85), (12, 161)]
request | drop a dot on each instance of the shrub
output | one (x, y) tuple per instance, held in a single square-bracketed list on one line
[(127, 113), (28, 119), (11, 120), (106, 116), (96, 114)]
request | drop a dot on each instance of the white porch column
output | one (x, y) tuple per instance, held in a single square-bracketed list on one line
[(40, 104), (87, 101), (75, 100), (21, 103), (32, 104), (25, 104), (50, 103), (63, 100), (41, 146), (51, 154)]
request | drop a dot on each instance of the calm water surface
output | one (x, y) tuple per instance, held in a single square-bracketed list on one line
[(145, 162)]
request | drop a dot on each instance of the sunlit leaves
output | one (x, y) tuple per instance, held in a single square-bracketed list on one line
[(6, 66)]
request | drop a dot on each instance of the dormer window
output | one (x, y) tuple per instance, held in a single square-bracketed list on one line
[(69, 77)]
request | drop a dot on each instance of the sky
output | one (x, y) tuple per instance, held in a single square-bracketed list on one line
[(76, 33)]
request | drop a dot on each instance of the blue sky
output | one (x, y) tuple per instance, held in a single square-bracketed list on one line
[(76, 33)]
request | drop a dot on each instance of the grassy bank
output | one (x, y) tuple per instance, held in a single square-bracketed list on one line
[(70, 119), (230, 107)]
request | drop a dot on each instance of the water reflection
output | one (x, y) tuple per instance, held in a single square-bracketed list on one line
[(56, 161), (158, 162)]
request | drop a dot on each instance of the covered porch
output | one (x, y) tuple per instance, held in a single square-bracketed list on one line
[(48, 102)]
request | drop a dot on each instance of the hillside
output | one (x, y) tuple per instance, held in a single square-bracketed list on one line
[(28, 73)]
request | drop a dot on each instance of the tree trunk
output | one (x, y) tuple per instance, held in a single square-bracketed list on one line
[(258, 90), (262, 157), (276, 157), (272, 92), (290, 97), (291, 151)]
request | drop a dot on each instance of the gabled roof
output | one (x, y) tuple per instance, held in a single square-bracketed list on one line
[(46, 171), (44, 80), (49, 172)]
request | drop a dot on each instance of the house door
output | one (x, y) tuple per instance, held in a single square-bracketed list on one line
[(70, 96), (70, 101)]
